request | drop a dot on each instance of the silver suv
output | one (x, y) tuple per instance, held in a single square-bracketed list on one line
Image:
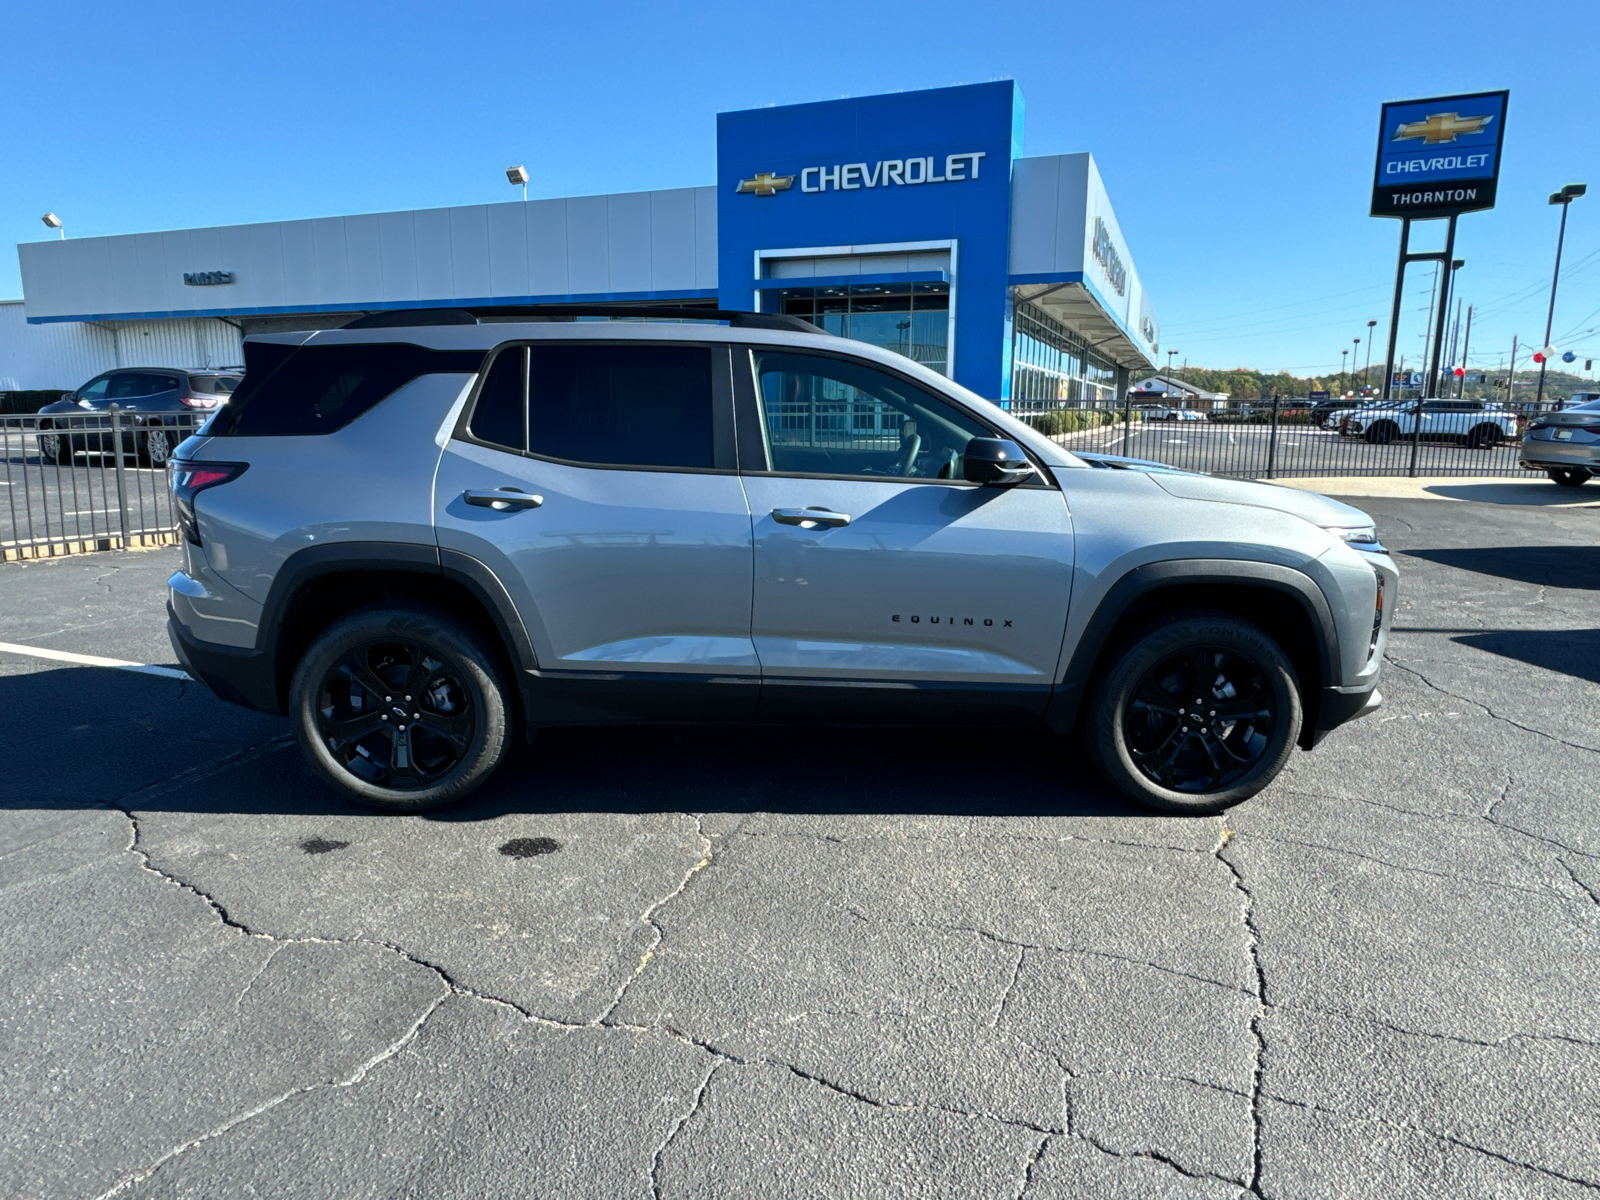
[(420, 535)]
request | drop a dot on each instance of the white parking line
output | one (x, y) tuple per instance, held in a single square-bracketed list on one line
[(91, 660)]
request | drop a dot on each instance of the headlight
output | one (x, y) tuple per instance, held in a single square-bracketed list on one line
[(1359, 537)]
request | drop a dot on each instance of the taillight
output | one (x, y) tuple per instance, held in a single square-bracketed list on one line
[(189, 479), (197, 402)]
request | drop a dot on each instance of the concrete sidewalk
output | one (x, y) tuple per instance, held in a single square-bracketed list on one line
[(1487, 489)]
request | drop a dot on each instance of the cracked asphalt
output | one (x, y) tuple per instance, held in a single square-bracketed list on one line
[(815, 963)]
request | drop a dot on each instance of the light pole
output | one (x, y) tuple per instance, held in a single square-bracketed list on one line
[(1366, 372), (516, 175), (1564, 197), (1170, 353), (1342, 361), (1355, 349), (54, 222)]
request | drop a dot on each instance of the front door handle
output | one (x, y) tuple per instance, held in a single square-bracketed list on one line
[(810, 518), (502, 499)]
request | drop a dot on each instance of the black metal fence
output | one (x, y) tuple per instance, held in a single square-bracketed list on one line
[(1293, 439), (97, 481)]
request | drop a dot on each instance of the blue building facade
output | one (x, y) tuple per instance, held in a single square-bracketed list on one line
[(910, 220)]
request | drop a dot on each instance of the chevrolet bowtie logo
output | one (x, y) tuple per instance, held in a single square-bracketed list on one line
[(1440, 128), (766, 184)]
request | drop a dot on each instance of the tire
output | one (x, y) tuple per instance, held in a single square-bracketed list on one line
[(1382, 433), (1570, 476), (53, 447), (460, 706), (1126, 734), (1484, 437), (158, 447)]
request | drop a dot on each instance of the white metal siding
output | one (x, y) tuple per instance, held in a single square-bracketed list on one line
[(627, 244), (188, 342), (50, 356)]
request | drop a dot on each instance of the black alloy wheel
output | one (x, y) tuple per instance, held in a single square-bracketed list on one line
[(1570, 476), (1194, 714), (395, 715), (1200, 719), (1484, 437), (400, 707)]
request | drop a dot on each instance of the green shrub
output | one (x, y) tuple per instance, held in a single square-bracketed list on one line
[(14, 403)]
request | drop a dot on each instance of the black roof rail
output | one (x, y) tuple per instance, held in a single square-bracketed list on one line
[(401, 318), (661, 312), (410, 317)]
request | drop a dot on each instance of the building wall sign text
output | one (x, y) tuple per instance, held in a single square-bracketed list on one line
[(1106, 255), (904, 172), (207, 278)]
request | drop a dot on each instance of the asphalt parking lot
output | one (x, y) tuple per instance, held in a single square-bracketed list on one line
[(1245, 450), (694, 963)]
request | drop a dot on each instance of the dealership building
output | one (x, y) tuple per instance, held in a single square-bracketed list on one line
[(911, 221)]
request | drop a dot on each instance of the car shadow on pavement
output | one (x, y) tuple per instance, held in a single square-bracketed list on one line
[(1569, 566), (83, 737), (1574, 652), (1535, 492)]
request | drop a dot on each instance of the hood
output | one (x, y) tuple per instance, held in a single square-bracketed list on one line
[(1309, 506), (1188, 485)]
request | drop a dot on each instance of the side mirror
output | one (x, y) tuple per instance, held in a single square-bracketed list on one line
[(995, 462)]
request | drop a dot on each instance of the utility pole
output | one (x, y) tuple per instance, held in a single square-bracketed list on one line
[(1511, 376), (1427, 336), (1466, 345)]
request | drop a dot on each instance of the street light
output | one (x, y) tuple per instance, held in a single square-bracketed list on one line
[(1564, 197), (54, 222), (1355, 349), (1366, 372), (518, 175), (1342, 361), (1170, 353)]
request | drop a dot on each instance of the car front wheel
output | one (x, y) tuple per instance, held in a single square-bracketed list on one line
[(1194, 714), (400, 707)]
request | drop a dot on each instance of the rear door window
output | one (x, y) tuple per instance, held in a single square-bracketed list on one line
[(622, 405), (319, 389), (132, 385)]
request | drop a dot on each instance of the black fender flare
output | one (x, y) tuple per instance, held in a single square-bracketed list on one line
[(1067, 695), (305, 566)]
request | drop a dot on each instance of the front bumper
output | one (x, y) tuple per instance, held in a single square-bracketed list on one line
[(239, 676), (1339, 707)]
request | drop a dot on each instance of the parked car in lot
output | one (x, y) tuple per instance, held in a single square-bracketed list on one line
[(1566, 444), (163, 407), (1467, 421), (1167, 412), (419, 535)]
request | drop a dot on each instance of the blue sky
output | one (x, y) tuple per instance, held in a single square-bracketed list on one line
[(1236, 140)]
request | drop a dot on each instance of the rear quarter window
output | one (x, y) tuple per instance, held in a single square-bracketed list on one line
[(214, 385), (289, 391)]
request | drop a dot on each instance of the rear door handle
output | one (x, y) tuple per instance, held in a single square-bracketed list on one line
[(502, 499), (810, 518)]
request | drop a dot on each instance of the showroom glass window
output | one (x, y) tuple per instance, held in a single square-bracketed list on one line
[(912, 319)]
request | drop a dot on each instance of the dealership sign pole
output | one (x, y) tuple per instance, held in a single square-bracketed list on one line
[(1437, 159)]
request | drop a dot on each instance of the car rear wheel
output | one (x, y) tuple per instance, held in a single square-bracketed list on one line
[(158, 447), (1195, 714), (1382, 433), (1570, 476), (400, 707)]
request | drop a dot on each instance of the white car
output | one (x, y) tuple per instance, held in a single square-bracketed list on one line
[(1467, 421), (1165, 412)]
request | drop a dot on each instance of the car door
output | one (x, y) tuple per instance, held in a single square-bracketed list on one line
[(885, 585), (597, 480)]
